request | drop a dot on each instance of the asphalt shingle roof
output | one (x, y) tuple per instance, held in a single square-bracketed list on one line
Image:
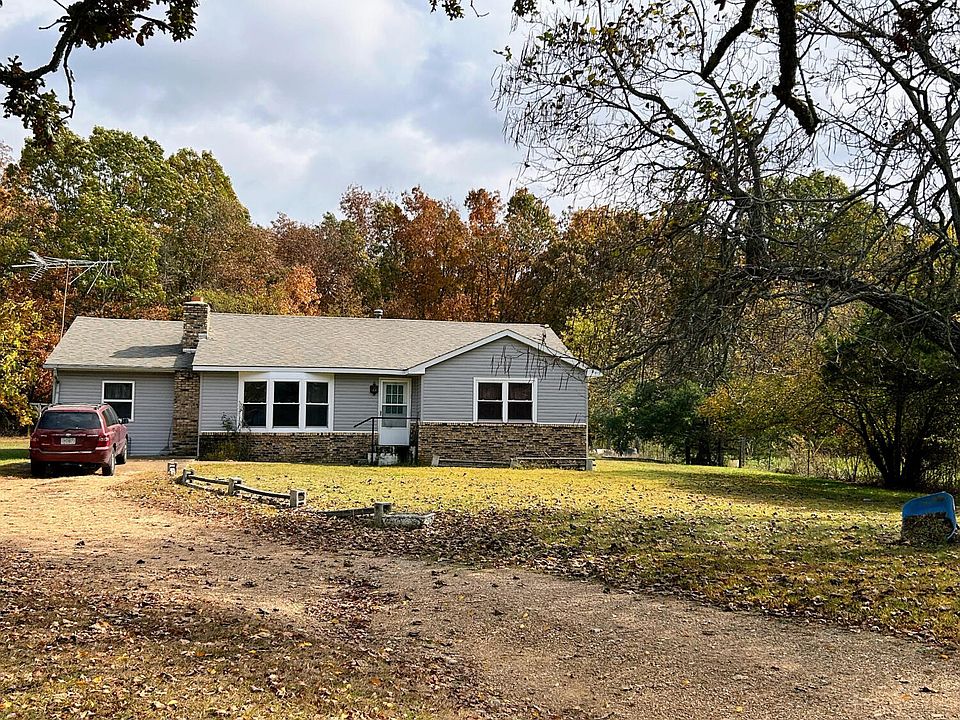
[(278, 341), (120, 344), (340, 342)]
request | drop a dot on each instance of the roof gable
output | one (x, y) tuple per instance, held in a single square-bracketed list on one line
[(507, 333)]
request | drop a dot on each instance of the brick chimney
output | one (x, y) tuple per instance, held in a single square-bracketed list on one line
[(196, 323)]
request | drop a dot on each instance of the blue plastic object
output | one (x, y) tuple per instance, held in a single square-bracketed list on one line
[(941, 502)]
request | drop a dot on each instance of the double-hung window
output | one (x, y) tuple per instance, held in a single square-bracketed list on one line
[(520, 402), (286, 402), (504, 400), (119, 396), (255, 403), (318, 405)]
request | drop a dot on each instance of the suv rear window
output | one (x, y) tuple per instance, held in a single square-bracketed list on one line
[(69, 420)]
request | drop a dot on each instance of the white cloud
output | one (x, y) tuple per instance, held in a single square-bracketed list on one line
[(299, 99), (24, 13)]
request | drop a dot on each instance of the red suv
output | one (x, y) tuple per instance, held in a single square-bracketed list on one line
[(90, 435)]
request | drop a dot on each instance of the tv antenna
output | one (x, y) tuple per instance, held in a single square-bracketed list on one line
[(39, 265)]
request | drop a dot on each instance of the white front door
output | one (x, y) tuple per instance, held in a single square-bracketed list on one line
[(394, 412)]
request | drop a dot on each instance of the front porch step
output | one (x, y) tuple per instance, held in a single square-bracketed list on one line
[(392, 455)]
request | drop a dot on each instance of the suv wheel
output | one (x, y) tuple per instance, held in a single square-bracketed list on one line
[(122, 457), (111, 465), (38, 469)]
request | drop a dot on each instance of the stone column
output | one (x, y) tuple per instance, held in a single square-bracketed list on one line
[(196, 323), (186, 412)]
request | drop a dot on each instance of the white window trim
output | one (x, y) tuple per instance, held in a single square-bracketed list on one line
[(303, 378), (505, 382), (303, 406), (133, 395)]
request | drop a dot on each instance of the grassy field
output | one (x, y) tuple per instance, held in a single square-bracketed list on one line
[(13, 456), (13, 446), (743, 539)]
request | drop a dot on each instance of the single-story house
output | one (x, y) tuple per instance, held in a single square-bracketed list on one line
[(329, 388)]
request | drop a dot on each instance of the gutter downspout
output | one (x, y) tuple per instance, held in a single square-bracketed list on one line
[(199, 410), (586, 380)]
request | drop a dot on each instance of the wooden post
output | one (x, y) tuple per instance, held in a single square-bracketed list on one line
[(379, 510), (184, 476), (232, 487), (294, 498)]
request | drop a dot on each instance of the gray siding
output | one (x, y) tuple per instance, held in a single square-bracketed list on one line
[(415, 396), (352, 400), (150, 431), (218, 397), (447, 388)]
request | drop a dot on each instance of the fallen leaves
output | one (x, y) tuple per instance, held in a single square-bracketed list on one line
[(787, 546), (74, 647)]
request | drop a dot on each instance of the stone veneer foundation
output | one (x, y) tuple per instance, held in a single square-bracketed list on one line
[(344, 447), (465, 442), (480, 442)]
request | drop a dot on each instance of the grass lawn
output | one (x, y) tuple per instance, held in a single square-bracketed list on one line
[(14, 453), (12, 447), (740, 538)]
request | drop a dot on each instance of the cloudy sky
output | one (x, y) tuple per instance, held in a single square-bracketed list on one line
[(299, 99)]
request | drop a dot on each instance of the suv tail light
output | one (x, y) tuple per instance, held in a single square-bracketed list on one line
[(103, 441)]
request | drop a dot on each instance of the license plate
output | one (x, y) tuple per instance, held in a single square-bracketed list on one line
[(68, 441)]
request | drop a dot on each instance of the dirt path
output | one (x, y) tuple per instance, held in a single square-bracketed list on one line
[(566, 647)]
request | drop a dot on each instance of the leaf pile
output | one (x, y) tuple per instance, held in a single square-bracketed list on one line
[(930, 529)]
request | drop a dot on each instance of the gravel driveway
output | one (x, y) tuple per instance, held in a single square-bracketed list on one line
[(536, 643)]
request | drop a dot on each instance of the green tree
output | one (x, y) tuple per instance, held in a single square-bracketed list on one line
[(205, 225), (24, 343), (667, 413), (899, 394), (104, 198)]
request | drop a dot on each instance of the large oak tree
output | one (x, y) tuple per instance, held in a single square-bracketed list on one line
[(658, 105)]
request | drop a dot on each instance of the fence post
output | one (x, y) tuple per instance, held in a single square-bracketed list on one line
[(294, 496), (232, 487), (379, 510), (184, 476)]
